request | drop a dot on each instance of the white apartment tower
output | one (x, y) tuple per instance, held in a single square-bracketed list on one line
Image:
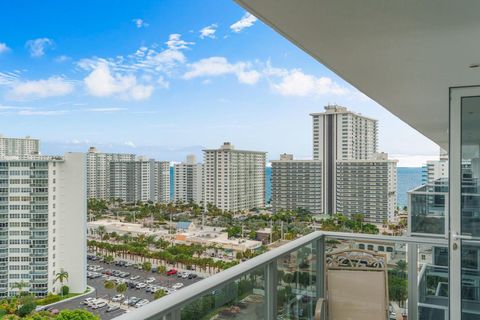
[(188, 181), (139, 180), (19, 146), (97, 171), (346, 143), (234, 179), (43, 210), (296, 184)]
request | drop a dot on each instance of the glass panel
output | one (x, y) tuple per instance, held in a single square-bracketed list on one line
[(242, 299), (470, 281), (470, 166), (428, 213), (296, 291), (470, 204), (433, 283)]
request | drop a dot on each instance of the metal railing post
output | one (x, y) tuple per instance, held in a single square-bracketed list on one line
[(412, 257), (271, 290), (320, 267)]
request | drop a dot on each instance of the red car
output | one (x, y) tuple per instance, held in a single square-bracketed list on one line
[(171, 272)]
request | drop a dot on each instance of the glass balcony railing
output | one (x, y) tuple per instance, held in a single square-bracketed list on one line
[(318, 272), (428, 210)]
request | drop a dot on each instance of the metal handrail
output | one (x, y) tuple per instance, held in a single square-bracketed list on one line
[(174, 301)]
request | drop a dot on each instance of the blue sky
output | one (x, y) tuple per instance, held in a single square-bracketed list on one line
[(167, 78)]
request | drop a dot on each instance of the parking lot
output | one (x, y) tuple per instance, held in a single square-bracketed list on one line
[(160, 280)]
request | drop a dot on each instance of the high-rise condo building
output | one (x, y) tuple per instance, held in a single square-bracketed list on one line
[(368, 187), (43, 211), (188, 181), (296, 184), (346, 144), (98, 165), (234, 179), (139, 180), (19, 146)]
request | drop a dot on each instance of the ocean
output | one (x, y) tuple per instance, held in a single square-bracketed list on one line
[(407, 179)]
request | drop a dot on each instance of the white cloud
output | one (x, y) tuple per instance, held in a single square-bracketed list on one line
[(130, 144), (41, 112), (8, 78), (62, 58), (208, 31), (38, 46), (294, 82), (51, 87), (245, 22), (140, 23), (217, 66), (162, 83), (4, 47), (107, 109), (101, 83), (176, 43)]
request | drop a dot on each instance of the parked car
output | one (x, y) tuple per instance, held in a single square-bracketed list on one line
[(192, 276), (112, 307), (185, 275), (129, 300), (141, 303), (118, 298), (99, 304), (150, 280), (87, 300), (177, 286), (141, 285), (133, 301), (135, 277), (171, 272), (92, 302)]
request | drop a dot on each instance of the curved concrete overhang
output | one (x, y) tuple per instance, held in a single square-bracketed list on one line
[(404, 54)]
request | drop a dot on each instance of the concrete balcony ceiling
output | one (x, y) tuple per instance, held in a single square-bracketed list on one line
[(405, 55)]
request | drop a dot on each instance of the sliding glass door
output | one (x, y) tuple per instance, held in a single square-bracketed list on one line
[(464, 155)]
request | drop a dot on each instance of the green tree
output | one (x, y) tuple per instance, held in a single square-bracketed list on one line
[(109, 285), (122, 288), (147, 266), (78, 314), (158, 294)]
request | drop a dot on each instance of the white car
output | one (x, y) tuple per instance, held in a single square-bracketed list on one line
[(185, 275), (87, 300), (150, 280), (141, 303), (141, 285), (99, 304), (118, 298), (177, 286), (92, 302), (134, 277)]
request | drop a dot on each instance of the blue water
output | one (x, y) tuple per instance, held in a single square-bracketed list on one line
[(407, 179)]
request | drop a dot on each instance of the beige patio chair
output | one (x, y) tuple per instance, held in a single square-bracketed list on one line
[(356, 287)]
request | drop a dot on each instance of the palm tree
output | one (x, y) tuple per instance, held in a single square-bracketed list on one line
[(61, 276), (101, 231), (20, 286)]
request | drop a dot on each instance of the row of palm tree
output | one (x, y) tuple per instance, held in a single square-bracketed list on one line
[(176, 255)]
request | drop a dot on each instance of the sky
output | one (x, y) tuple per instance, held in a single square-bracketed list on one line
[(167, 78)]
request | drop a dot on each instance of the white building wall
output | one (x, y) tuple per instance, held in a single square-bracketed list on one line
[(19, 146), (188, 181), (234, 179)]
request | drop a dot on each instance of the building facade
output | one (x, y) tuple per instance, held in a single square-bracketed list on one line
[(346, 143), (188, 181), (98, 167), (234, 179), (140, 180), (368, 188), (297, 184), (42, 223), (19, 146)]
